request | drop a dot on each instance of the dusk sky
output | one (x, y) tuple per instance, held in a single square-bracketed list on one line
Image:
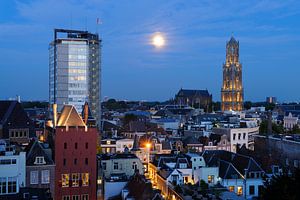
[(196, 32)]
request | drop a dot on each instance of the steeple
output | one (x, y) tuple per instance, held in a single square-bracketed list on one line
[(232, 94)]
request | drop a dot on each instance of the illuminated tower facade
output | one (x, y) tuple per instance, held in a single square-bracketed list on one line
[(232, 92)]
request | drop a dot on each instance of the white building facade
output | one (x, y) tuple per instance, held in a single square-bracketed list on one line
[(12, 171)]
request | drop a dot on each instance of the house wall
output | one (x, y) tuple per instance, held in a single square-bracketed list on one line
[(204, 172), (40, 168), (113, 188), (16, 170), (70, 136), (245, 186), (121, 144), (233, 134), (124, 166), (162, 185)]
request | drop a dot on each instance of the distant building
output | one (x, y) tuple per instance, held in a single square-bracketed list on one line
[(115, 164), (271, 100), (278, 154), (290, 121), (232, 92), (239, 136), (108, 146), (194, 98), (40, 167), (75, 146), (15, 125), (12, 169), (74, 67)]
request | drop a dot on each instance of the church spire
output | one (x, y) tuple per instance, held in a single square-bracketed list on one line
[(232, 94)]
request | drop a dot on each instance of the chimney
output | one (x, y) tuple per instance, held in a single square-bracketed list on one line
[(86, 113), (54, 107)]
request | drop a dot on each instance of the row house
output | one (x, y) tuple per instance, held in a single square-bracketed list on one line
[(238, 173)]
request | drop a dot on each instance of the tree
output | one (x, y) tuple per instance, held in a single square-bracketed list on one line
[(295, 130), (247, 105), (276, 128), (203, 186), (128, 118), (282, 187), (270, 106)]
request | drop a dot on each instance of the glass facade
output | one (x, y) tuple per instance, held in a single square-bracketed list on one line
[(74, 72)]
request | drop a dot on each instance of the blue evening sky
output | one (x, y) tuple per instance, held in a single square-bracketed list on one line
[(196, 33)]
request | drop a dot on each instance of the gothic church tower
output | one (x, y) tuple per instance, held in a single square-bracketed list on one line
[(232, 92)]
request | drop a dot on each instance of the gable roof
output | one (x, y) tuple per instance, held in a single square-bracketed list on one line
[(186, 93), (69, 117), (231, 165), (34, 150), (13, 112)]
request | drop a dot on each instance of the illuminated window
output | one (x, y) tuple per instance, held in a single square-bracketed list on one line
[(75, 180), (85, 197), (210, 178), (65, 178), (85, 179), (240, 190), (231, 188)]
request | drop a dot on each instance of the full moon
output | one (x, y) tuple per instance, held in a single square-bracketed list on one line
[(158, 41)]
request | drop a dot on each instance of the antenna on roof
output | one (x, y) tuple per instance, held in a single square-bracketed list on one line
[(71, 20), (98, 22), (85, 22)]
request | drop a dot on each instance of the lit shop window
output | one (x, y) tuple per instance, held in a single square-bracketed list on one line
[(210, 179), (65, 178), (75, 180), (85, 179), (231, 188), (239, 190)]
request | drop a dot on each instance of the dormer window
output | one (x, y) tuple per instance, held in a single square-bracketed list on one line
[(40, 160), (182, 165)]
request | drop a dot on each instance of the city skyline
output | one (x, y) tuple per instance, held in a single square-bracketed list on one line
[(196, 35)]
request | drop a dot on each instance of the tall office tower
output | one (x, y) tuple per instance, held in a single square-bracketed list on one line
[(232, 92), (74, 70)]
